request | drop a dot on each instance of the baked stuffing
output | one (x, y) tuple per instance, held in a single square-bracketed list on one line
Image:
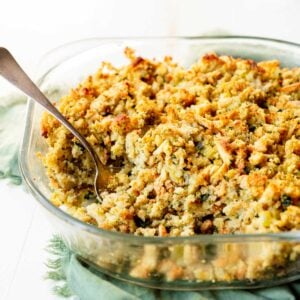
[(213, 148)]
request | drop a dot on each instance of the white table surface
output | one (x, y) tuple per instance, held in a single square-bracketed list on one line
[(30, 28)]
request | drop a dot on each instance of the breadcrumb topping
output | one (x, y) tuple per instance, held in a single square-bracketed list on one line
[(213, 148)]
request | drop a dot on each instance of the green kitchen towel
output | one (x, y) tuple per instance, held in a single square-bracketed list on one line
[(74, 278), (12, 117)]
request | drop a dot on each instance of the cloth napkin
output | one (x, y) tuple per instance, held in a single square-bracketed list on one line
[(71, 277)]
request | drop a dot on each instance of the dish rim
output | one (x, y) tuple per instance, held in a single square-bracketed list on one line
[(130, 238)]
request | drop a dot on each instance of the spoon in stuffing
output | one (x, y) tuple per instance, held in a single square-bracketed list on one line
[(12, 72)]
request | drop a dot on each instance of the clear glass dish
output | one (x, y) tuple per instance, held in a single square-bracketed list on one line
[(178, 263)]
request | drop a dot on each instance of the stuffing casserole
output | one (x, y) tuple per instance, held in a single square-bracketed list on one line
[(213, 148)]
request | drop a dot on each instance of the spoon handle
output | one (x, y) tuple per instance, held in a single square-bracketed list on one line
[(12, 72)]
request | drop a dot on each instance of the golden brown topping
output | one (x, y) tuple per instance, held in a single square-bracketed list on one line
[(210, 148)]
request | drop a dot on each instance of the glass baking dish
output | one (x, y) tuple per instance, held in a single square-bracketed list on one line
[(178, 263)]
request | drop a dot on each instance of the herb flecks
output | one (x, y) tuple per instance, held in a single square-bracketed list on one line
[(204, 197), (199, 146), (140, 222), (89, 195), (251, 127), (286, 201), (247, 170)]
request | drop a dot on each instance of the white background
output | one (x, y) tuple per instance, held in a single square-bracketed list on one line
[(31, 28)]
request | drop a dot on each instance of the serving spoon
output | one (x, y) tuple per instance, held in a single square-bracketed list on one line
[(11, 71)]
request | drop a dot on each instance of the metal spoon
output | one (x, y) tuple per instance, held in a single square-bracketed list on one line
[(12, 72)]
